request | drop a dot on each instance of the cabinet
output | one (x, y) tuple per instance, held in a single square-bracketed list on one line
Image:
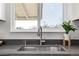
[(2, 11)]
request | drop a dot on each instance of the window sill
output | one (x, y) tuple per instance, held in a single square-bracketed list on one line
[(22, 31)]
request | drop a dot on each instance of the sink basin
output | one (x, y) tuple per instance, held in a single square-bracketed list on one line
[(42, 48)]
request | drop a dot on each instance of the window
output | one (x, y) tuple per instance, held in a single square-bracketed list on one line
[(26, 16), (52, 16), (29, 16)]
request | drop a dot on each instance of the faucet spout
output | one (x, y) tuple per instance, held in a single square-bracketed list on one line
[(40, 34)]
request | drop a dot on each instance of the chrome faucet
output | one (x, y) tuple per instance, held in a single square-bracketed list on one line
[(40, 34)]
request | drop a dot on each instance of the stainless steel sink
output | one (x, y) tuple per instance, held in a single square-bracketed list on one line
[(42, 48)]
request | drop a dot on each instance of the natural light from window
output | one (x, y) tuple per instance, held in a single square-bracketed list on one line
[(52, 16)]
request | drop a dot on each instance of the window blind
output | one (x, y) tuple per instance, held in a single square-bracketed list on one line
[(26, 11)]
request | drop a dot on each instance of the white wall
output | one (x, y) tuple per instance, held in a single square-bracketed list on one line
[(6, 34)]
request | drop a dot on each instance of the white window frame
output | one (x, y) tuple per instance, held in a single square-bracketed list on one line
[(12, 27)]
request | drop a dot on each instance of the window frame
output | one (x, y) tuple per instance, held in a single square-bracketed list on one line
[(12, 23), (12, 27)]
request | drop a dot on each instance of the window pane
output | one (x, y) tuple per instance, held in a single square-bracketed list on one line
[(26, 15), (30, 24), (51, 14)]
